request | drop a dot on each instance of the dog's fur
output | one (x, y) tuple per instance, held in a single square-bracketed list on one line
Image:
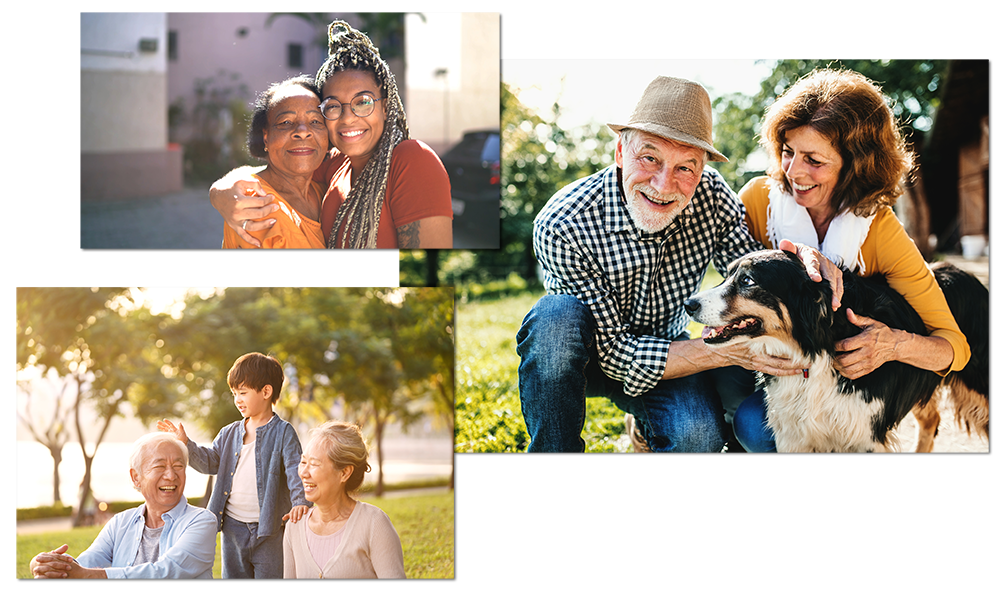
[(768, 299)]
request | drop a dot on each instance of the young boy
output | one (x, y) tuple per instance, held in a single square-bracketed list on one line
[(257, 460)]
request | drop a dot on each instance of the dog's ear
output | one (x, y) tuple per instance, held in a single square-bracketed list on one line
[(811, 312)]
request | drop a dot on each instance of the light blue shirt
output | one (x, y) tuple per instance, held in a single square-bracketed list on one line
[(187, 545)]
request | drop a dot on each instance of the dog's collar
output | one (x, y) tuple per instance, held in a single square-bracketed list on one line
[(806, 373)]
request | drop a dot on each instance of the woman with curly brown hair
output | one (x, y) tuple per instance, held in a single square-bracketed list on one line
[(384, 190), (838, 161)]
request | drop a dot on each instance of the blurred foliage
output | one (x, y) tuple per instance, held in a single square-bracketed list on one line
[(98, 341), (218, 122)]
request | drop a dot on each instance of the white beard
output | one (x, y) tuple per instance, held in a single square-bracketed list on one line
[(644, 217)]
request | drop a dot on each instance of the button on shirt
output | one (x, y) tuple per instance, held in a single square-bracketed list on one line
[(187, 544), (635, 282)]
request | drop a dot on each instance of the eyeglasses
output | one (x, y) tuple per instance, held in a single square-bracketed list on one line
[(362, 106)]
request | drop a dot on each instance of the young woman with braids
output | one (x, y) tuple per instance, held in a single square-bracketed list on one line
[(384, 189)]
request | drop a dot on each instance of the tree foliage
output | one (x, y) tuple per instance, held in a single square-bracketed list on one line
[(98, 341)]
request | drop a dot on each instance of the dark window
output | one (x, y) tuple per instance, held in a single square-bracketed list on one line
[(295, 55), (172, 45)]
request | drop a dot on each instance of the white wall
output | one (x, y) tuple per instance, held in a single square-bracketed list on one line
[(467, 45), (122, 89), (210, 43)]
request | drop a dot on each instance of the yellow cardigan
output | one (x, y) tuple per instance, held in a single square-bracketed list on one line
[(897, 258)]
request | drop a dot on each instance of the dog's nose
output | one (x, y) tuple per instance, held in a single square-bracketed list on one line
[(691, 306)]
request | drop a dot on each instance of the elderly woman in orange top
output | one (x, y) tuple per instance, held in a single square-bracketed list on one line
[(838, 160), (289, 132), (384, 190)]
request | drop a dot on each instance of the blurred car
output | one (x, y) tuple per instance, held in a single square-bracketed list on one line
[(474, 167)]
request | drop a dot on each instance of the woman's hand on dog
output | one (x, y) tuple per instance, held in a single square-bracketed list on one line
[(879, 343), (818, 268), (866, 351)]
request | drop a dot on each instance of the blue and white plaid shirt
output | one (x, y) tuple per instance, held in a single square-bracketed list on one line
[(635, 282)]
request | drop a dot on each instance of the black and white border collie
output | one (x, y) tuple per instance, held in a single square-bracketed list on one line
[(768, 299)]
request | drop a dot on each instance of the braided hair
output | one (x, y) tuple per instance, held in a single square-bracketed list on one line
[(349, 49)]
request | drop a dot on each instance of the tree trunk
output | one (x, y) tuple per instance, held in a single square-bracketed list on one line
[(379, 450), (57, 458), (431, 268), (207, 495), (82, 517)]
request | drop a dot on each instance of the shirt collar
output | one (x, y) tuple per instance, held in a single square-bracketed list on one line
[(172, 514)]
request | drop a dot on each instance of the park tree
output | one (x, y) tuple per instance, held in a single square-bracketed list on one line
[(98, 341), (46, 416), (420, 330)]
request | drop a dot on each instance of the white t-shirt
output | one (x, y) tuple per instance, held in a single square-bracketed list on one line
[(243, 504)]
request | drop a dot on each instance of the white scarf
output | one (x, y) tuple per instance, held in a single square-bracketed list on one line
[(846, 233)]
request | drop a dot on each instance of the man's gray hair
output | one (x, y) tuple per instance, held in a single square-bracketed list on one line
[(145, 445)]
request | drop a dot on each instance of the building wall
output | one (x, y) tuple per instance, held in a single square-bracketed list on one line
[(239, 51), (123, 108), (468, 95)]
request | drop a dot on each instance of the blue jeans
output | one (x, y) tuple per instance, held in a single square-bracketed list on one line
[(245, 555), (559, 369), (750, 426)]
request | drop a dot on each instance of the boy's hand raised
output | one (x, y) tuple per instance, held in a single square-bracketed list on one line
[(178, 431)]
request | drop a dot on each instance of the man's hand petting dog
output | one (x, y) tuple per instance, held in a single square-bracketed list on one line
[(753, 359)]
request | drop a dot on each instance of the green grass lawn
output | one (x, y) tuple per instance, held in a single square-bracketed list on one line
[(488, 410), (425, 523)]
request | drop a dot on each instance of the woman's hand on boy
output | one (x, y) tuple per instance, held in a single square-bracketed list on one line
[(296, 513), (178, 431)]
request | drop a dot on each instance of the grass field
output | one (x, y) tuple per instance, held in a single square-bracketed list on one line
[(425, 523), (488, 410)]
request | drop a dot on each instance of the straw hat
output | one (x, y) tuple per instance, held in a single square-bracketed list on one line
[(677, 110)]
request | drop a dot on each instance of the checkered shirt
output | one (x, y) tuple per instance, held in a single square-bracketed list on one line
[(635, 282)]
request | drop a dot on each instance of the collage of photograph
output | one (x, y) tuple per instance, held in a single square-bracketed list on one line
[(673, 278)]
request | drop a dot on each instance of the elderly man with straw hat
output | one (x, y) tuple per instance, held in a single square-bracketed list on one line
[(621, 250)]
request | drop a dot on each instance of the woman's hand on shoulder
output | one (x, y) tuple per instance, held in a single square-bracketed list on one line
[(241, 200), (296, 513)]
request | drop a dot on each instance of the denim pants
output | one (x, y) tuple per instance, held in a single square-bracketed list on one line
[(559, 369), (245, 555), (750, 426)]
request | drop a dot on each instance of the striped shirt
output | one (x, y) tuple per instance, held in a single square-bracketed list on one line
[(635, 282)]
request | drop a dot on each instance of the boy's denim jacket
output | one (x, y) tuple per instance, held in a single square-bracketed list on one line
[(277, 454)]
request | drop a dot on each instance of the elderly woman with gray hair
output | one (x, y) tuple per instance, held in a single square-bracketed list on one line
[(340, 537), (163, 538)]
